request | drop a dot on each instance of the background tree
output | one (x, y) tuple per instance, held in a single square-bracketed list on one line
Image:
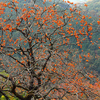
[(41, 51)]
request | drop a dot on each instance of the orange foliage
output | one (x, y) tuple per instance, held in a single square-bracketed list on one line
[(36, 49)]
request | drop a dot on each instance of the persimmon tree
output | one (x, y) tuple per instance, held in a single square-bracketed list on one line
[(40, 45)]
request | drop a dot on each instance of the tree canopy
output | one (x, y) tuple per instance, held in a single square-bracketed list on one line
[(41, 54)]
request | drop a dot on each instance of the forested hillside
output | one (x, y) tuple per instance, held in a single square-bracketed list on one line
[(93, 10)]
